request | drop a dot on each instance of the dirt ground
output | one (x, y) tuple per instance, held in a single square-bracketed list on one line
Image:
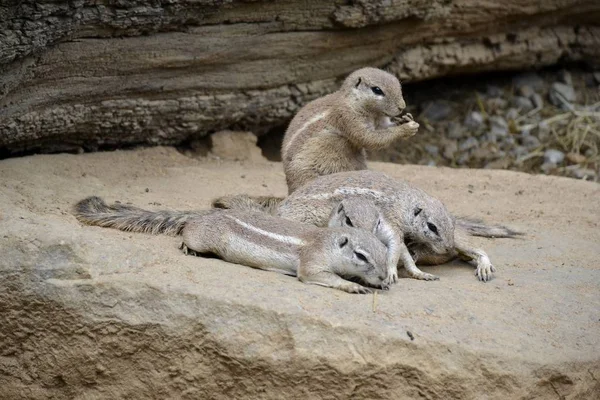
[(533, 331)]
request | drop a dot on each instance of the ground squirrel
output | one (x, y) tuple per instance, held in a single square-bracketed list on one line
[(331, 133), (421, 224), (320, 256)]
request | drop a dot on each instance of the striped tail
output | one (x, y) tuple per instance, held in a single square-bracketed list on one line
[(94, 211), (479, 228)]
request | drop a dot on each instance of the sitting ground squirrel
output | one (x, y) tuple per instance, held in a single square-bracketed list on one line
[(421, 224), (331, 133), (320, 256)]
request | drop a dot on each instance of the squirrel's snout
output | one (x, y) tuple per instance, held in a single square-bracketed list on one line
[(401, 105)]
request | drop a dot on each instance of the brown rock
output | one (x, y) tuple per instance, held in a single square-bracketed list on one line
[(576, 158), (236, 145), (89, 312)]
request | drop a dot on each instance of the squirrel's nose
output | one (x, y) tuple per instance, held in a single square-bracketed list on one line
[(402, 105)]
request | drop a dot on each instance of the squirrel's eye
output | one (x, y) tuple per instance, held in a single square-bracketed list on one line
[(432, 228), (361, 257), (349, 222), (377, 90)]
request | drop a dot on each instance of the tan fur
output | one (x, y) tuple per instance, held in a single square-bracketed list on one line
[(331, 134), (321, 256), (420, 224)]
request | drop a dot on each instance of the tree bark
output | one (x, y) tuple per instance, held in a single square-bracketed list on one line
[(90, 74)]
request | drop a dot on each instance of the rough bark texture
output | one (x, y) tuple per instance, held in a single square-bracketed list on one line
[(94, 313), (88, 73)]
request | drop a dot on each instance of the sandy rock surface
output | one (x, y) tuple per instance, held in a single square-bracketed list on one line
[(88, 312)]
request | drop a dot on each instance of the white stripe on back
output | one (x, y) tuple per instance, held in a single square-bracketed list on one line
[(343, 191), (303, 127), (276, 236)]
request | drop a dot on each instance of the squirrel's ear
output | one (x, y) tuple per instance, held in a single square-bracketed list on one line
[(418, 211), (342, 241), (358, 82), (340, 208)]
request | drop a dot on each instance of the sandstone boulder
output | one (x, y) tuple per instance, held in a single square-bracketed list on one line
[(88, 312)]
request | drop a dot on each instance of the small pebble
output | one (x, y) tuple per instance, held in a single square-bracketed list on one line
[(474, 119), (496, 103), (523, 103), (530, 142), (519, 151), (583, 173), (547, 167), (468, 143), (434, 151), (498, 126), (537, 100), (554, 156), (525, 91), (512, 114), (565, 77), (463, 159), (559, 93), (449, 149), (530, 79), (576, 158), (456, 131), (491, 137)]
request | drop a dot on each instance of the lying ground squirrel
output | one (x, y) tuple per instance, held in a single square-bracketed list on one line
[(421, 224), (331, 134), (320, 256)]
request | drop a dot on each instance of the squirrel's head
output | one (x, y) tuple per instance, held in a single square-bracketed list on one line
[(361, 255), (361, 213), (375, 91), (355, 212), (431, 224)]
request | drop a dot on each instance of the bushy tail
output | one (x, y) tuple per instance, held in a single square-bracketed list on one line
[(94, 211), (248, 203), (479, 228)]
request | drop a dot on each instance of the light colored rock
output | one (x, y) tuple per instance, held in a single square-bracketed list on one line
[(498, 126), (88, 312), (561, 94), (554, 156), (495, 103), (565, 77), (456, 131), (450, 148), (537, 100), (235, 145), (523, 103), (512, 114), (525, 91), (468, 143), (474, 119)]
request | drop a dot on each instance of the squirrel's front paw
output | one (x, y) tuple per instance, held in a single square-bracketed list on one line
[(355, 288), (484, 271), (410, 128)]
